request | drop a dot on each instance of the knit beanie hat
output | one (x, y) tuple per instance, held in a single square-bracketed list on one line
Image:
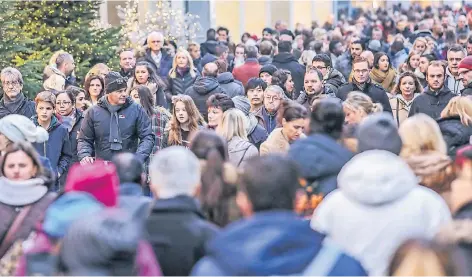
[(114, 81), (20, 128), (466, 63), (269, 68), (208, 58), (99, 179), (379, 131)]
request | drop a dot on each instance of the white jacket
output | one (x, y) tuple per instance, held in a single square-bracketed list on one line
[(377, 206)]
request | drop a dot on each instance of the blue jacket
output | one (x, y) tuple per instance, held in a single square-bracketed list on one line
[(132, 199), (164, 66), (268, 243)]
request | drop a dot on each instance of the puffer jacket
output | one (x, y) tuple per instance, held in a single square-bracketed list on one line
[(240, 150), (334, 79), (454, 133), (180, 83), (266, 120), (202, 89), (231, 86), (307, 100), (453, 84), (135, 128), (431, 103), (401, 107)]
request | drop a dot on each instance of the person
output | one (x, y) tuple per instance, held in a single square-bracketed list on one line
[(285, 60), (376, 218), (233, 129), (14, 100), (182, 75), (465, 72), (185, 121), (267, 203), (455, 54), (69, 117), (226, 80), (239, 55), (94, 89), (336, 49), (420, 71), (210, 44), (266, 73), (267, 113), (195, 52), (362, 82), (99, 69), (406, 90), (255, 93), (462, 26), (61, 70), (159, 60), (383, 72), (369, 56), (205, 87), (344, 63), (292, 117), (435, 98), (358, 106), (58, 147), (79, 94), (256, 134), (250, 68), (469, 47), (284, 80), (144, 75), (331, 77), (127, 62), (177, 229), (419, 45), (266, 51), (114, 125), (223, 34), (217, 104), (456, 124), (314, 88)]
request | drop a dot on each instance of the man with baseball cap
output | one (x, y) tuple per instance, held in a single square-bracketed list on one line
[(465, 73)]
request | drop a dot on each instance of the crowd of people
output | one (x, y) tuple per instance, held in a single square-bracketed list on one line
[(342, 149)]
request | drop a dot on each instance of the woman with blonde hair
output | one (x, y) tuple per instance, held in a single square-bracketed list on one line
[(420, 45), (456, 123), (359, 105), (407, 89), (233, 130), (183, 73), (411, 63)]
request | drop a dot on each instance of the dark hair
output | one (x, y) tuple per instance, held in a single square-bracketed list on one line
[(128, 167), (284, 46), (69, 94), (418, 87), (75, 90), (153, 77), (222, 29), (280, 77), (220, 49), (290, 111), (359, 42), (145, 98), (397, 46), (211, 34), (377, 57), (253, 83), (327, 118), (222, 66), (430, 57), (266, 48), (88, 81), (221, 101), (323, 58), (312, 69), (29, 150), (245, 34), (333, 44), (470, 40), (251, 51), (268, 30), (171, 42), (461, 37), (273, 190)]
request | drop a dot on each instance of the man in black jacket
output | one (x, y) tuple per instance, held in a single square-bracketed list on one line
[(437, 96), (14, 101), (465, 72), (116, 124), (160, 61), (331, 77), (361, 82), (127, 62), (286, 60)]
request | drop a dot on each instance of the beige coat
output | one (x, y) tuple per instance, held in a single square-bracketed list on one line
[(276, 143)]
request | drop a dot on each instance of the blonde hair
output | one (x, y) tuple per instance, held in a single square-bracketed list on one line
[(459, 106), (173, 71), (98, 69), (233, 124), (357, 100), (420, 39), (47, 97), (420, 133)]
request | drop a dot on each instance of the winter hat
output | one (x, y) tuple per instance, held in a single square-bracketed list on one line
[(466, 63), (67, 209), (114, 81), (379, 131), (269, 68), (374, 46), (20, 128), (99, 179), (208, 58)]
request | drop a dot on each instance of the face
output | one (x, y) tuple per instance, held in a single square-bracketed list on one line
[(424, 62), (266, 77), (466, 76), (141, 74), (11, 87), (267, 36), (361, 71), (289, 86), (117, 97), (195, 52), (376, 35), (453, 60), (80, 101), (69, 66), (321, 67), (181, 113), (155, 42), (272, 101), (135, 96), (415, 61), (182, 60), (19, 166), (338, 49), (255, 96), (461, 22), (420, 47), (293, 129), (312, 83), (469, 49), (127, 60), (407, 86), (44, 111), (383, 63), (239, 53), (214, 116), (4, 142), (64, 105), (95, 88), (222, 36), (435, 77), (369, 57), (356, 49), (353, 116)]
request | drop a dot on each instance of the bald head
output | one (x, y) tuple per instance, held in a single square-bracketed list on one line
[(210, 70), (155, 40), (129, 168), (369, 56)]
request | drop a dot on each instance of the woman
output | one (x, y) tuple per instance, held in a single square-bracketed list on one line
[(293, 117), (184, 123), (233, 130), (383, 72), (283, 79), (81, 104), (58, 147), (23, 197), (420, 45), (217, 104), (71, 118), (255, 93), (100, 69), (219, 178), (420, 71), (425, 151), (144, 75), (411, 63), (456, 123), (359, 105), (407, 89), (245, 37), (182, 75), (94, 89)]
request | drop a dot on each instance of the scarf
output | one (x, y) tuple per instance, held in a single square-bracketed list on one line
[(69, 120), (385, 79), (419, 74), (360, 86), (13, 105), (21, 193), (115, 135)]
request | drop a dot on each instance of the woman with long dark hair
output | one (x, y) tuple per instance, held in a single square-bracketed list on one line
[(383, 72), (283, 78), (94, 89), (145, 75)]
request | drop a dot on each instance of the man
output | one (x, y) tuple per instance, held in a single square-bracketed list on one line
[(438, 35), (285, 60), (256, 134), (267, 34), (250, 68), (65, 65), (361, 82), (127, 62), (267, 114), (462, 27), (465, 73), (423, 30), (272, 240), (266, 73), (314, 88), (159, 60), (195, 53), (280, 26), (336, 49), (176, 226), (369, 56), (210, 44), (205, 87), (332, 78), (287, 35), (266, 50), (14, 100), (344, 62), (116, 124), (437, 95), (454, 56), (398, 53), (227, 82), (374, 46), (469, 47), (223, 34)]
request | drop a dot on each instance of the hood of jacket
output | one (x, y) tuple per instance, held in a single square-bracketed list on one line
[(225, 78), (205, 85), (51, 70), (268, 243), (264, 59), (441, 93), (335, 78), (429, 163), (455, 85), (52, 126), (376, 177), (284, 58), (237, 144)]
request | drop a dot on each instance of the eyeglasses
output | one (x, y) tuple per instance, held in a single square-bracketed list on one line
[(63, 103), (272, 98), (320, 67), (7, 84), (363, 71)]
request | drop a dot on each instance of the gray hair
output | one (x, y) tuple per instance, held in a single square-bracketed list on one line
[(275, 88), (61, 58), (175, 171), (11, 73)]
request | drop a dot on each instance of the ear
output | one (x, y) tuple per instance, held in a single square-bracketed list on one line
[(284, 121), (244, 204), (35, 171)]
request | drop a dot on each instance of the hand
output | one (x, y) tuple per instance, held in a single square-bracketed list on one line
[(87, 160)]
